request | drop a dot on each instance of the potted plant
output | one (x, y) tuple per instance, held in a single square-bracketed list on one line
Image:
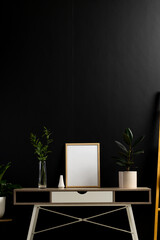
[(6, 188), (42, 151), (126, 156)]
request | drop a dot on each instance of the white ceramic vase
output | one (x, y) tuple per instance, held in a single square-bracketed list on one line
[(2, 206), (61, 182), (128, 179)]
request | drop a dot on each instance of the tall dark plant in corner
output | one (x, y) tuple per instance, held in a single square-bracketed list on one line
[(41, 147)]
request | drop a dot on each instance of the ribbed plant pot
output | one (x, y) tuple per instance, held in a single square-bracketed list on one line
[(2, 206), (128, 179)]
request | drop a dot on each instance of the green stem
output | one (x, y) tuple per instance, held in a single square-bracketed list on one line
[(129, 158)]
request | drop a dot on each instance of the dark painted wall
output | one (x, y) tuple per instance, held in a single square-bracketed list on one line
[(86, 70)]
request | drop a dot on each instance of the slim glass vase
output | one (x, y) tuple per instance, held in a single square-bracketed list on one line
[(42, 182)]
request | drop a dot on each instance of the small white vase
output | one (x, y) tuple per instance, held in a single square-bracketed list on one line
[(128, 179), (61, 182), (2, 206)]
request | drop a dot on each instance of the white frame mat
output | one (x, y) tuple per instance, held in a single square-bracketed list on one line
[(82, 164)]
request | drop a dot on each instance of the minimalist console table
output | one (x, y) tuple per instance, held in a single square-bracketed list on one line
[(52, 197)]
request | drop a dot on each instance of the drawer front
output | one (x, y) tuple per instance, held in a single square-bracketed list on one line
[(76, 197)]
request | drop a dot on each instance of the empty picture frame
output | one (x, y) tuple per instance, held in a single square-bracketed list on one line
[(82, 164)]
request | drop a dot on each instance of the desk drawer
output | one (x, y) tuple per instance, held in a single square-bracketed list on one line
[(82, 197)]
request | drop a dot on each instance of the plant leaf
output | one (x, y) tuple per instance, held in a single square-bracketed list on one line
[(120, 159), (126, 139), (138, 140), (124, 154), (129, 134), (121, 164), (138, 152), (121, 146), (3, 169)]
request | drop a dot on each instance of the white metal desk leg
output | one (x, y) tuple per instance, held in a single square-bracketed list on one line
[(33, 222), (132, 222)]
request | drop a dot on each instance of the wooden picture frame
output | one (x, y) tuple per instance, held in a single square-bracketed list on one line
[(82, 164)]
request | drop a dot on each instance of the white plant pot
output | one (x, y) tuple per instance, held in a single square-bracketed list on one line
[(2, 206), (128, 179)]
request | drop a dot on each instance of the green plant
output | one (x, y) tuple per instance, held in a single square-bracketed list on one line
[(5, 187), (3, 169), (128, 150), (42, 146)]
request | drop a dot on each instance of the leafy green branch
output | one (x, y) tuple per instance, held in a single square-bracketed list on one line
[(42, 146), (3, 169)]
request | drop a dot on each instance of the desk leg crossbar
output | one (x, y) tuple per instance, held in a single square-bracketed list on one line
[(36, 209)]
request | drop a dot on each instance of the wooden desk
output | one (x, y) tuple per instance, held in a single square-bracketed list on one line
[(118, 197)]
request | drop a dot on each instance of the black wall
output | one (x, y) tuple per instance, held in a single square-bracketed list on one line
[(86, 70)]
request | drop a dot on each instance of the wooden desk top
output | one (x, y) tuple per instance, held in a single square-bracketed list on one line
[(36, 196), (81, 189)]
